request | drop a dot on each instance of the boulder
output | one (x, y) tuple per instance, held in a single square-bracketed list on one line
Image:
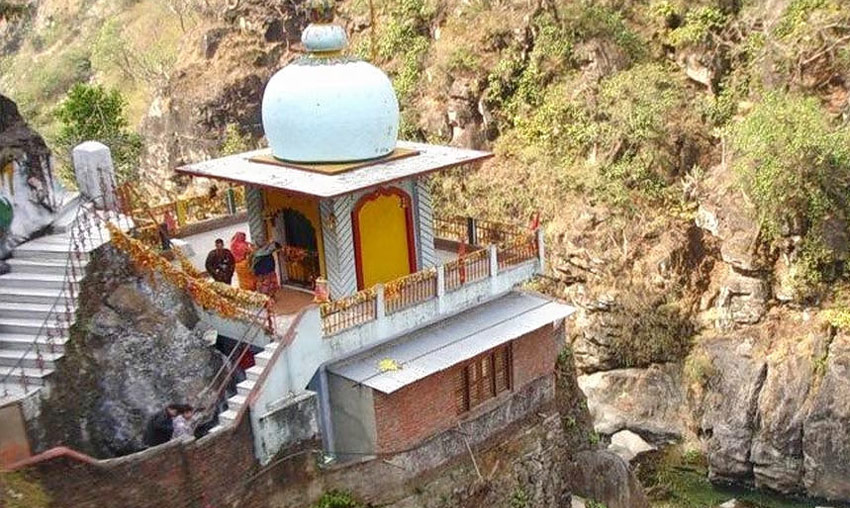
[(148, 357), (649, 402), (826, 429), (605, 477), (137, 347), (742, 299), (629, 445)]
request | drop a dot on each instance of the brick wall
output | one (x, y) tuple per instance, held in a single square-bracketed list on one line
[(175, 475), (405, 417), (535, 354)]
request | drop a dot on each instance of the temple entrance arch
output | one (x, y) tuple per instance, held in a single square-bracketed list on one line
[(384, 248), (299, 255)]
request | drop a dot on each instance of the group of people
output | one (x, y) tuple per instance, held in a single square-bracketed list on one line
[(173, 422), (254, 267)]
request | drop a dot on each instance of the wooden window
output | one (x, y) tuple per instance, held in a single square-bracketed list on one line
[(482, 378)]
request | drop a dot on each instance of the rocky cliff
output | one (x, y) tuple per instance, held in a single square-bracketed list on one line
[(136, 347), (699, 301), (29, 197)]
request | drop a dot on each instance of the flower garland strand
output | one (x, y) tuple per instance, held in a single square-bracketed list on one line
[(205, 293)]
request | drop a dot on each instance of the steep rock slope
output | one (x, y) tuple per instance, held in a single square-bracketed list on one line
[(29, 198), (136, 347)]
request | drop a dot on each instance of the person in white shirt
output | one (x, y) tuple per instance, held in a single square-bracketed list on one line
[(184, 422)]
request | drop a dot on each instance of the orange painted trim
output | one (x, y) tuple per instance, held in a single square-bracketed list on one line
[(408, 219), (54, 453)]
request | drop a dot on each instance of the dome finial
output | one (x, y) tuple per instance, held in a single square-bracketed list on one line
[(323, 36)]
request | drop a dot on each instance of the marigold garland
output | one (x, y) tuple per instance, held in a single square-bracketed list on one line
[(208, 294), (238, 295)]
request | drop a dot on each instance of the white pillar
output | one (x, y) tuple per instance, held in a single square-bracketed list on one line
[(95, 174), (541, 250), (441, 287), (380, 310), (493, 258)]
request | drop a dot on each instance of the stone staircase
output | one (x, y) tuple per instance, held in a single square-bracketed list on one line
[(32, 295), (235, 403)]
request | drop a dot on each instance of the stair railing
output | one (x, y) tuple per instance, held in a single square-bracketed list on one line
[(61, 313)]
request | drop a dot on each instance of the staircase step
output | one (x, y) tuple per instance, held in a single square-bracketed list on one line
[(33, 376), (32, 295), (236, 402), (22, 342), (244, 388), (227, 417), (254, 373), (39, 266), (263, 358), (36, 311), (44, 250), (29, 280), (31, 326), (27, 359)]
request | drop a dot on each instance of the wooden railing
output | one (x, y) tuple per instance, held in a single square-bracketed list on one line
[(518, 252), (182, 212), (348, 312), (476, 232), (410, 290), (469, 268)]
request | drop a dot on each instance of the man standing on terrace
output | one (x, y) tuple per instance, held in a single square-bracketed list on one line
[(220, 263)]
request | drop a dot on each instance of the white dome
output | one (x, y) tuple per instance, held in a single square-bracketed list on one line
[(327, 108)]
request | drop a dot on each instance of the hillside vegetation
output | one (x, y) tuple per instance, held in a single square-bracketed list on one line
[(690, 160)]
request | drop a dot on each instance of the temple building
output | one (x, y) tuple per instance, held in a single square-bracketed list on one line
[(422, 326)]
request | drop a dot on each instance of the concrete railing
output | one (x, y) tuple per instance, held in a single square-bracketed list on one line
[(430, 286)]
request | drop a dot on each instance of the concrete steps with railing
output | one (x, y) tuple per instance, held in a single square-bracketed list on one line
[(244, 388), (32, 294)]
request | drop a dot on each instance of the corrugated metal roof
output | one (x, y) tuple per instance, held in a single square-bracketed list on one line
[(453, 340), (238, 168)]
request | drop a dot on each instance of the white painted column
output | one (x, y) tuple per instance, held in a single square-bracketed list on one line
[(95, 174), (380, 310), (541, 250), (441, 288), (493, 258)]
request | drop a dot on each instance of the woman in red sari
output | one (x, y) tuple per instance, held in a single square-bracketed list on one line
[(242, 250)]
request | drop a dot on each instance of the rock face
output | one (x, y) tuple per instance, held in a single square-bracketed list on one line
[(826, 429), (780, 419), (220, 83), (731, 406), (136, 349), (649, 402), (26, 180)]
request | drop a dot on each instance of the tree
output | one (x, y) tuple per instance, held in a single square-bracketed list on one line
[(91, 112)]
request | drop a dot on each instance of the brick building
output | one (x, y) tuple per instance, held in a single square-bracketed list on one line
[(394, 396)]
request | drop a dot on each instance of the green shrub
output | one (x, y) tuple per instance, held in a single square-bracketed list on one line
[(234, 141), (91, 112), (793, 163), (336, 499), (519, 498), (699, 24)]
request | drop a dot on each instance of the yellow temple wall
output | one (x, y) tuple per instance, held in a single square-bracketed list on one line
[(275, 201)]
